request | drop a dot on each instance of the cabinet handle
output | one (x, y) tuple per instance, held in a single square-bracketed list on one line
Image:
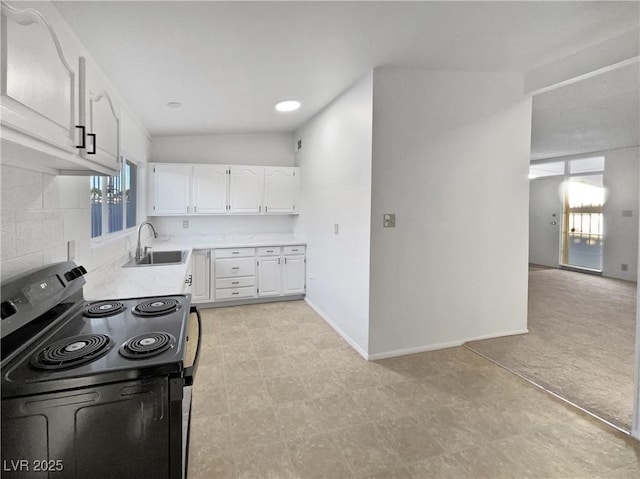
[(236, 292), (187, 209), (269, 251), (278, 260), (83, 132), (285, 261), (235, 252), (195, 209), (259, 208), (235, 282), (93, 151), (189, 281), (266, 208), (294, 249), (236, 267)]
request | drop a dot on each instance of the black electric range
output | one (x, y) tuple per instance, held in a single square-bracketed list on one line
[(93, 389)]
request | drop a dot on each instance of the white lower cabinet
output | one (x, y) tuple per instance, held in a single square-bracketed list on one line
[(200, 275), (244, 273), (281, 270), (293, 274), (235, 273)]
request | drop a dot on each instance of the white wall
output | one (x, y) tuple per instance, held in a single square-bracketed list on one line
[(335, 187), (450, 159), (268, 149), (620, 246)]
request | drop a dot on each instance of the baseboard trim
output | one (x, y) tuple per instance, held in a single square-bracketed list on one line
[(244, 302), (405, 351), (435, 347), (337, 329)]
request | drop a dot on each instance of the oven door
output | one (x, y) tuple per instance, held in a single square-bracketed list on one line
[(194, 340)]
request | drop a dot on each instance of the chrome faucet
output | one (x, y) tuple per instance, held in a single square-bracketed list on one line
[(139, 251)]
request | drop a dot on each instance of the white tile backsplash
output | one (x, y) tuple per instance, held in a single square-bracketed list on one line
[(8, 241), (16, 266), (22, 190), (38, 230), (41, 213)]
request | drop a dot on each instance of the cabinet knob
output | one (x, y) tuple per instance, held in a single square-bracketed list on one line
[(93, 150)]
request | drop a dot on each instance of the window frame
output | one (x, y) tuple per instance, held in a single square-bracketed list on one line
[(105, 235)]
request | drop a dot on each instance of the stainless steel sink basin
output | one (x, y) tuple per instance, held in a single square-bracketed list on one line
[(158, 258)]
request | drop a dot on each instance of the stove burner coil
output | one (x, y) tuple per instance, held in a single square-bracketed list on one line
[(147, 345), (156, 307), (103, 309), (72, 352)]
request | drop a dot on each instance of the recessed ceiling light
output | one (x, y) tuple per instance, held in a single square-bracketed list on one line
[(174, 104), (288, 105)]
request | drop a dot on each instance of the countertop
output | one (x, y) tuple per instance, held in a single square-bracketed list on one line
[(115, 282)]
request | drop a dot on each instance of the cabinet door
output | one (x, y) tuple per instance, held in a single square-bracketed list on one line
[(269, 276), (280, 189), (293, 277), (38, 83), (100, 115), (209, 189), (245, 189), (201, 267), (170, 189)]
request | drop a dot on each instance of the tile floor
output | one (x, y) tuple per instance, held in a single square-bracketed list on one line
[(279, 394)]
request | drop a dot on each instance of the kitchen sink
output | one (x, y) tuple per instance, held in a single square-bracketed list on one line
[(158, 258)]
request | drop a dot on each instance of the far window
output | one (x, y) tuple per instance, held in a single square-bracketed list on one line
[(114, 200)]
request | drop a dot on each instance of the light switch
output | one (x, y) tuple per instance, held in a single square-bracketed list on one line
[(389, 220), (185, 224), (336, 228)]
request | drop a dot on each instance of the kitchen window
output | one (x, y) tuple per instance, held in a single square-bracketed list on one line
[(114, 200)]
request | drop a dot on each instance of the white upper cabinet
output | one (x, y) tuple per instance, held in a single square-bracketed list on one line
[(207, 189), (100, 116), (40, 91), (245, 189), (170, 189), (210, 189), (280, 189)]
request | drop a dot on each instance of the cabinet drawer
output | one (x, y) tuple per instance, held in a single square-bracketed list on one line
[(230, 267), (236, 293), (300, 249), (269, 251), (235, 252), (235, 282)]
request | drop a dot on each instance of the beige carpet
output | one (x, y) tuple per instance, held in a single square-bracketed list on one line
[(580, 343)]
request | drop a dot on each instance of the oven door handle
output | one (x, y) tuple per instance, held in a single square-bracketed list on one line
[(190, 372)]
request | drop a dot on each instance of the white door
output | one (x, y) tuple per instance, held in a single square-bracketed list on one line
[(280, 189), (269, 276), (170, 189), (38, 93), (100, 116), (293, 277), (245, 189), (209, 189), (545, 220), (201, 267)]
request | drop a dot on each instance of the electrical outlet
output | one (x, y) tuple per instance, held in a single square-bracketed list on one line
[(71, 250), (389, 220), (185, 224), (627, 213), (624, 267)]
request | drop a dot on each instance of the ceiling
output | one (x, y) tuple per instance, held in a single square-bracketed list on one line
[(597, 114), (228, 63)]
